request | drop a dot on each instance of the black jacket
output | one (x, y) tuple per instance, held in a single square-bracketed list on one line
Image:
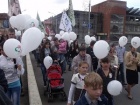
[(3, 80), (72, 52), (89, 51), (106, 80), (83, 101), (4, 100)]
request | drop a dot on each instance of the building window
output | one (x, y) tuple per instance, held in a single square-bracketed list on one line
[(91, 16), (77, 15), (77, 25)]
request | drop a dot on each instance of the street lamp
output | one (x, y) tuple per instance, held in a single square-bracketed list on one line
[(55, 21)]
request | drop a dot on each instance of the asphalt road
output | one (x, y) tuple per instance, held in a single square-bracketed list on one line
[(119, 100)]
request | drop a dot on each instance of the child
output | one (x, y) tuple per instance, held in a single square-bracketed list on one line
[(77, 82), (62, 49), (93, 86)]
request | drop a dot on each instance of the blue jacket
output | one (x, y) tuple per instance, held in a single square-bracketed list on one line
[(83, 101)]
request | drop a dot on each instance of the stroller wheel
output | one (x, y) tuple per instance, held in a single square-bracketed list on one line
[(50, 98), (45, 92), (64, 97)]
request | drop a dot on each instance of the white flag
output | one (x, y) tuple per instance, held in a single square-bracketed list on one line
[(65, 23), (71, 13), (13, 7)]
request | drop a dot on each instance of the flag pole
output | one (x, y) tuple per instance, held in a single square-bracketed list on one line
[(89, 18), (71, 13)]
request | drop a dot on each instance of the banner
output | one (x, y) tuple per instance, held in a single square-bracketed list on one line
[(41, 27), (71, 13), (65, 23), (13, 7)]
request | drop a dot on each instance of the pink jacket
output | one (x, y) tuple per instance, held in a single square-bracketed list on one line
[(62, 47)]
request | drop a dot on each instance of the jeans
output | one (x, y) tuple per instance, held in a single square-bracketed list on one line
[(43, 69), (61, 57), (14, 95), (69, 61), (121, 70), (63, 62), (64, 65), (21, 84), (37, 56)]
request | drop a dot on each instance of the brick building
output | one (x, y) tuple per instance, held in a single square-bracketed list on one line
[(118, 19)]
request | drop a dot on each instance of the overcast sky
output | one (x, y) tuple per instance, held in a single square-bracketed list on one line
[(54, 6)]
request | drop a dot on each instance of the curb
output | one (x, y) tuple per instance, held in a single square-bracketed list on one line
[(34, 96)]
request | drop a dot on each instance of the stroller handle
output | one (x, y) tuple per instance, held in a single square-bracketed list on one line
[(62, 79), (56, 63)]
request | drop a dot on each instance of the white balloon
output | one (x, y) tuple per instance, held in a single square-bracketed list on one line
[(32, 23), (27, 17), (93, 38), (30, 40), (135, 42), (61, 33), (87, 39), (114, 87), (21, 22), (101, 49), (72, 36), (123, 41), (17, 33), (12, 48), (12, 21), (65, 36), (50, 38), (48, 61), (58, 36)]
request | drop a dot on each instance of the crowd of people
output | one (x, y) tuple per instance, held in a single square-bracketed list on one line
[(90, 74), (81, 60)]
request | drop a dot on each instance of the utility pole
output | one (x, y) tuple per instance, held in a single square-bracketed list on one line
[(89, 18)]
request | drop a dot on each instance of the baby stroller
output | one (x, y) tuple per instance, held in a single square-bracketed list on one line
[(55, 82)]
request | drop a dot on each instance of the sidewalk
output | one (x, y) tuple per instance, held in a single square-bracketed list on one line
[(25, 99)]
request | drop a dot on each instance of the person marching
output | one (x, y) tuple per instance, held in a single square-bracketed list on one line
[(12, 69), (107, 74), (93, 84), (77, 82), (132, 60)]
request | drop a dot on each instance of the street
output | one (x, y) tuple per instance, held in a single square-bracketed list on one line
[(118, 100)]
